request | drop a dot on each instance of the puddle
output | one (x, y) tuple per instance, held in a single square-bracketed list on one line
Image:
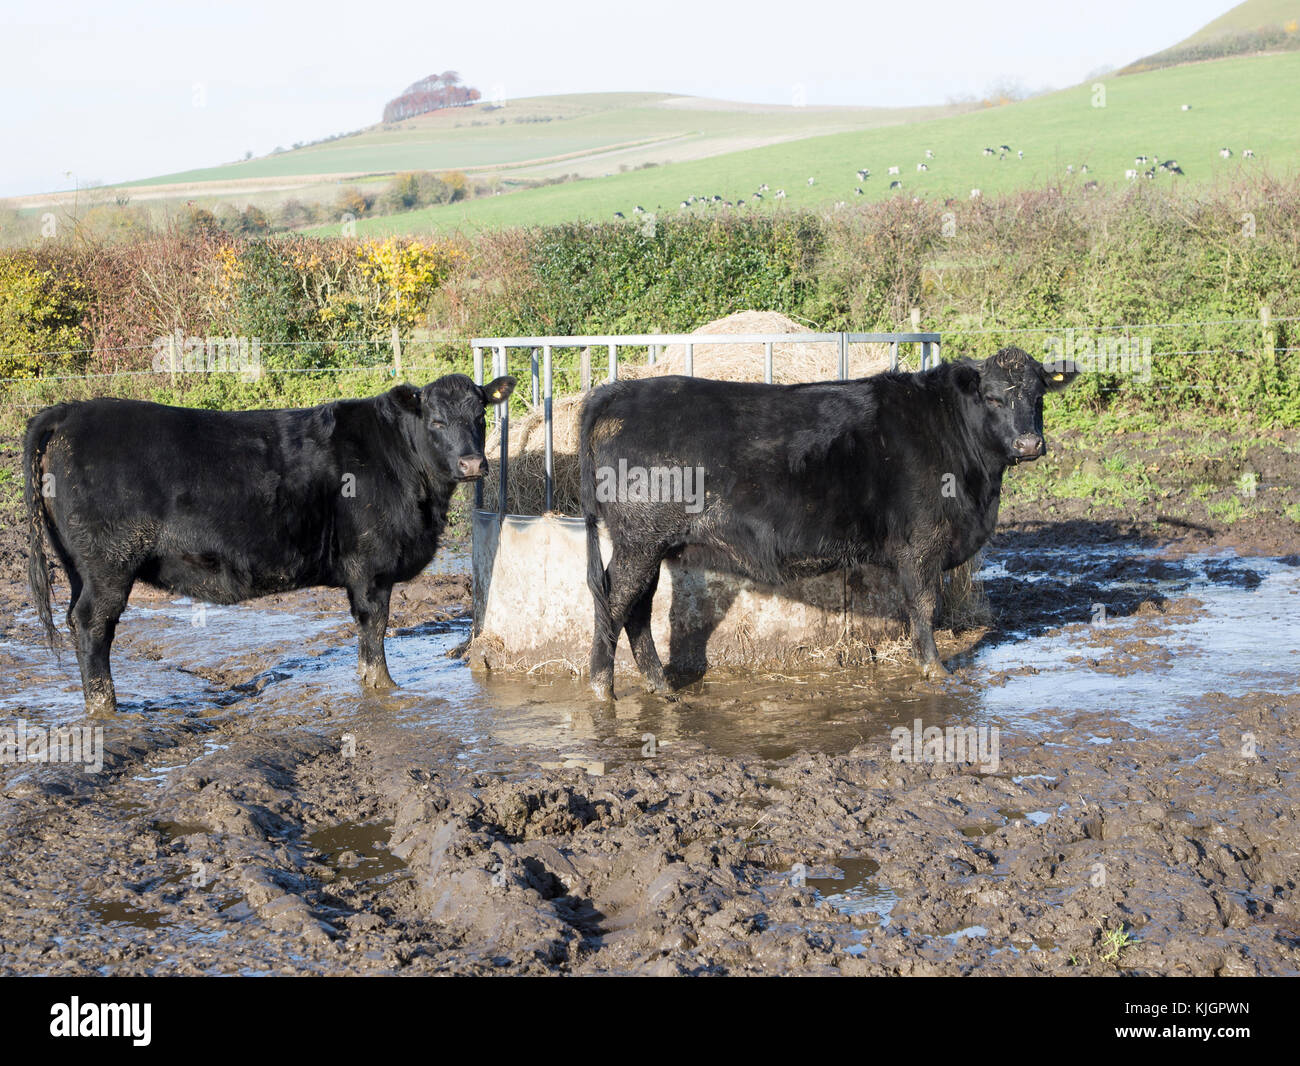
[(359, 850), (1215, 648), (158, 775), (268, 660), (856, 892), (971, 932), (117, 913)]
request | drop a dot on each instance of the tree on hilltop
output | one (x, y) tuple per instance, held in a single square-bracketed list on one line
[(433, 93)]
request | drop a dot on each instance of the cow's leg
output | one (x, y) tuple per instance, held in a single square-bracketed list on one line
[(643, 645), (921, 582), (604, 641), (75, 586), (628, 576), (370, 609), (99, 604)]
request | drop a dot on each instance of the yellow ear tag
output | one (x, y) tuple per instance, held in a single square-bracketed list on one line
[(1058, 377), (496, 395)]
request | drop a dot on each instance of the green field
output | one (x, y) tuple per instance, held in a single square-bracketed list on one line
[(587, 133), (1235, 103)]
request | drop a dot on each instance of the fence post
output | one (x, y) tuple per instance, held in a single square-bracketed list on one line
[(584, 369), (478, 380), (549, 422), (767, 361), (690, 360), (844, 356), (613, 363), (532, 366), (893, 356), (397, 353), (503, 416)]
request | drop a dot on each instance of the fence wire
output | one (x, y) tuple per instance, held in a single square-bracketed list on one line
[(412, 361)]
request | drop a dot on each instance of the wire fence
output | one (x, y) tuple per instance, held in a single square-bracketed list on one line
[(394, 358)]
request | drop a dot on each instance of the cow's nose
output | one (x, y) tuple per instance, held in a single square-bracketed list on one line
[(472, 466), (1028, 446)]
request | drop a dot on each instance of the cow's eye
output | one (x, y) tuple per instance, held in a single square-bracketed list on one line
[(994, 401), (437, 423)]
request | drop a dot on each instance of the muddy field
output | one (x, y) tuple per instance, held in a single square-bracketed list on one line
[(1136, 811)]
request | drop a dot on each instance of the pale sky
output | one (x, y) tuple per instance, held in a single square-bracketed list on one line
[(112, 92)]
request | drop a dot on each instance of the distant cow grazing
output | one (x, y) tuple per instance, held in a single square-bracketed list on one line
[(223, 506), (899, 470)]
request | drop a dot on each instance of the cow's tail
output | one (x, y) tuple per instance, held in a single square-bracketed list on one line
[(39, 431), (597, 579)]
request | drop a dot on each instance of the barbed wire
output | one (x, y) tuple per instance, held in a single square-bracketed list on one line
[(343, 342), (383, 342), (389, 370), (1126, 328)]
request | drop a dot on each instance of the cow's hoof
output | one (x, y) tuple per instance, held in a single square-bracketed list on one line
[(377, 678), (101, 707), (935, 671), (661, 689), (101, 699), (603, 690)]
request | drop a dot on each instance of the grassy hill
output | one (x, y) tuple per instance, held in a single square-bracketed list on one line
[(542, 134), (1250, 15), (1254, 27), (1234, 103), (514, 145)]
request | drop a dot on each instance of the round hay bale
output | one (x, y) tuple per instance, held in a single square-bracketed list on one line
[(792, 361)]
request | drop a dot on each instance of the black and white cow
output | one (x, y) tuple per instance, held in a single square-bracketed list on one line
[(223, 506), (901, 470)]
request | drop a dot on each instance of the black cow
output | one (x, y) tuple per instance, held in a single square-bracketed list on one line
[(903, 470), (223, 506)]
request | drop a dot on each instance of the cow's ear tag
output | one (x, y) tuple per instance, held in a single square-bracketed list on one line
[(497, 391), (1058, 377)]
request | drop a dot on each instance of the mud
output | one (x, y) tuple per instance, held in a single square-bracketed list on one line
[(256, 813)]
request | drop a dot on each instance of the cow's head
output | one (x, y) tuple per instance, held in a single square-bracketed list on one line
[(450, 424), (1003, 402)]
